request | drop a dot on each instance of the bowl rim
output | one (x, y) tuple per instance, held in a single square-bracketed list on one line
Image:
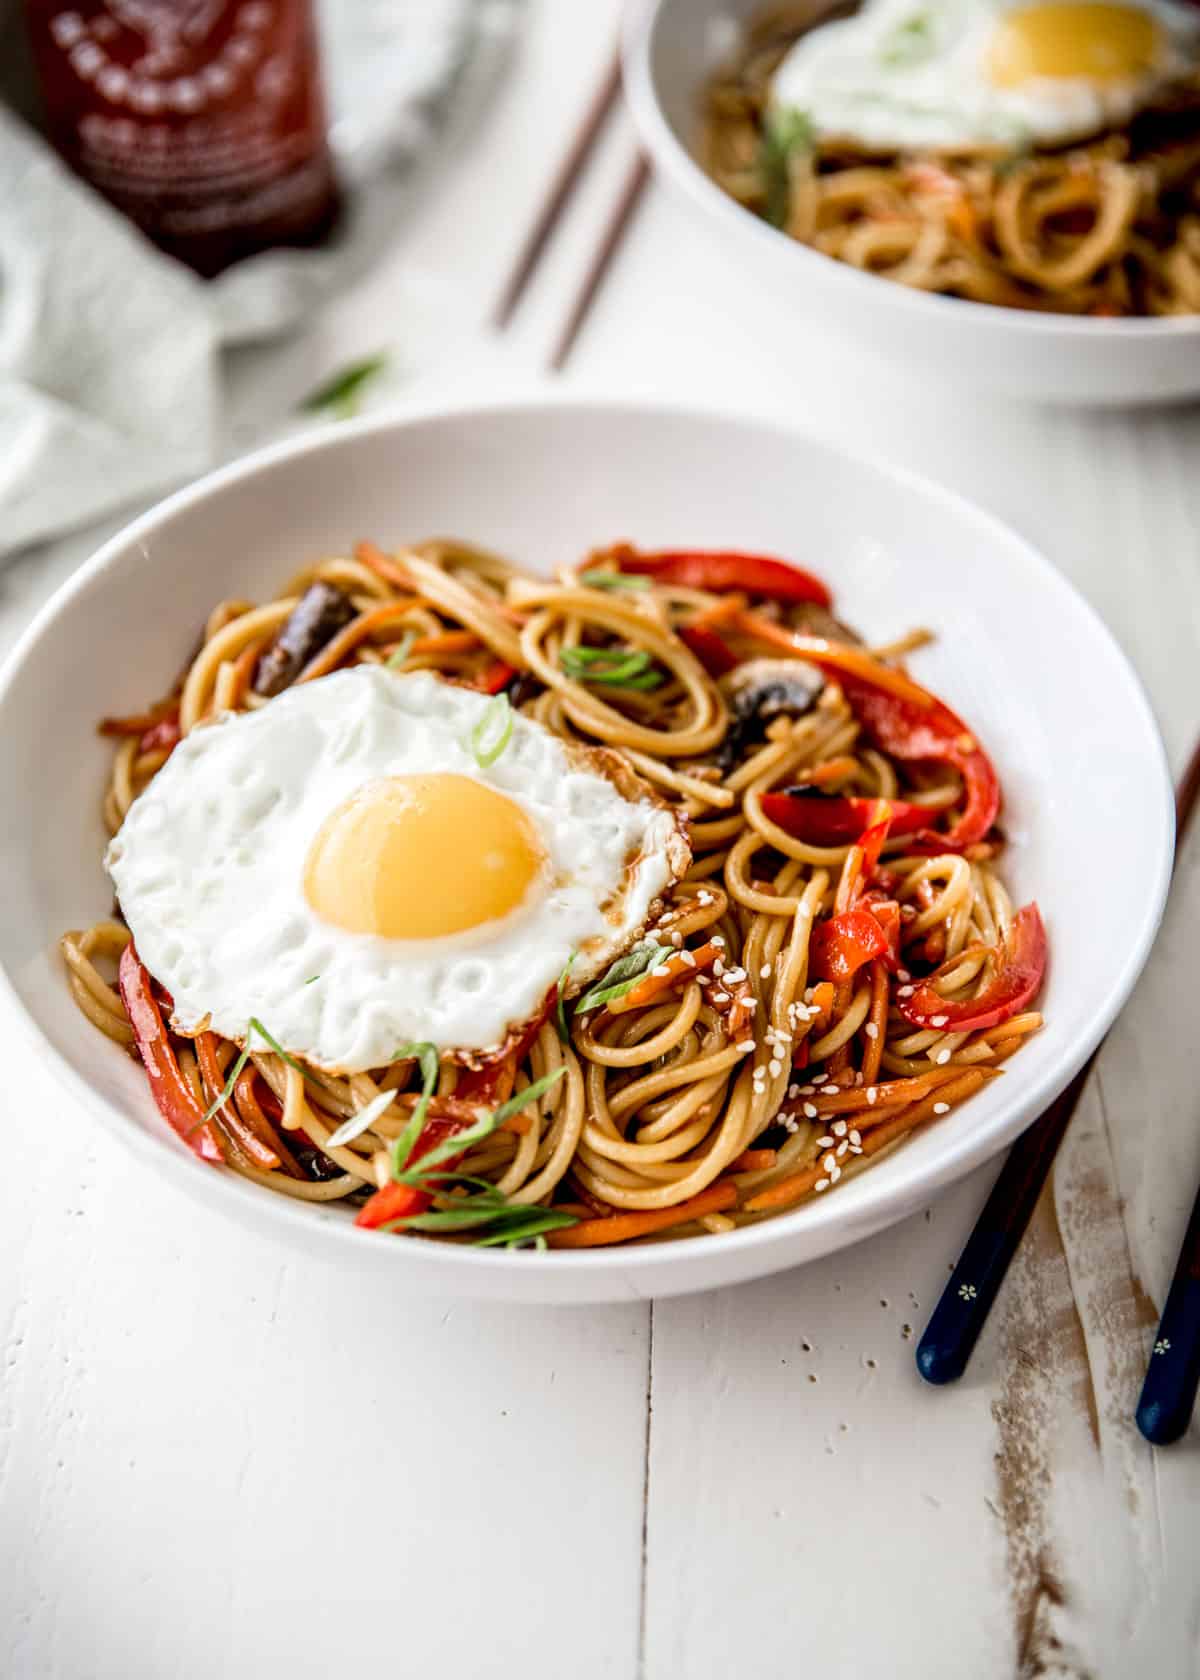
[(681, 167), (876, 1205)]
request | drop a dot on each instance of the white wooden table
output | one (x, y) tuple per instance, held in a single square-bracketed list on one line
[(217, 1461)]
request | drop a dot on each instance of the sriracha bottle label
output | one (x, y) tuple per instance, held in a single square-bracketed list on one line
[(203, 120)]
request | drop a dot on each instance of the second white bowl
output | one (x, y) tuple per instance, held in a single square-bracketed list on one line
[(672, 47)]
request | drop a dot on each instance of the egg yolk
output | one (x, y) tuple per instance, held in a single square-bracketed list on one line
[(417, 857), (1080, 38)]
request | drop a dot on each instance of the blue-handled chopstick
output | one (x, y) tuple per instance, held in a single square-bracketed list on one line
[(961, 1313), (954, 1325), (1169, 1392)]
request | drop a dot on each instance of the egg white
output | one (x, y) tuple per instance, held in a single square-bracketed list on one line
[(912, 75), (209, 864)]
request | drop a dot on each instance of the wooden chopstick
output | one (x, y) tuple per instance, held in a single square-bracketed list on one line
[(955, 1323), (632, 188), (566, 178)]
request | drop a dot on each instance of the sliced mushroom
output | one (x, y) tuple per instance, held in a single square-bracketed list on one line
[(759, 691), (315, 620)]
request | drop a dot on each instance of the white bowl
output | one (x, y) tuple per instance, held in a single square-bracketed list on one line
[(671, 48), (1023, 658)]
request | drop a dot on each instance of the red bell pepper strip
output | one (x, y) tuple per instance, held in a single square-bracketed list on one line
[(401, 1201), (871, 844), (721, 570), (177, 1102), (713, 652), (1018, 978), (826, 819), (932, 733), (886, 912), (840, 946), (494, 677)]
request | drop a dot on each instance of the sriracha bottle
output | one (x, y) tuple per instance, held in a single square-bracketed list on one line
[(203, 120)]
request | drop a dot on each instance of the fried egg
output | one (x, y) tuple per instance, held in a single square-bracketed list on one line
[(338, 865), (977, 74)]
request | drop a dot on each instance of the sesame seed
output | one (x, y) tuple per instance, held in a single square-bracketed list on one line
[(764, 972), (835, 1172), (718, 966), (941, 1108), (688, 958), (903, 974), (825, 1142), (720, 997), (774, 1068), (717, 939), (855, 1137), (831, 1090), (838, 1128), (735, 975), (810, 1111), (793, 1092), (871, 1030), (702, 980), (746, 1046), (677, 938), (829, 1162), (705, 897), (856, 1149), (938, 1020), (807, 1090), (842, 1148), (872, 1094), (905, 991), (821, 1184), (942, 1057)]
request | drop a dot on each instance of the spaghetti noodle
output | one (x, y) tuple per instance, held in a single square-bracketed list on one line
[(840, 965)]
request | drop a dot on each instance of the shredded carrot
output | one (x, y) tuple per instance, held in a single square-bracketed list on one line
[(228, 1116), (332, 654), (823, 999), (243, 668), (790, 1189), (724, 611), (876, 1018), (449, 641), (821, 775), (518, 1123), (255, 1116), (838, 656), (908, 1090), (623, 1227), (754, 1160), (371, 555), (676, 968), (139, 722)]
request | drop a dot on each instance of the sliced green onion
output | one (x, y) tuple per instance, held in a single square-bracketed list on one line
[(623, 976), (560, 1012), (219, 1102), (531, 1093), (425, 1054), (492, 733), (342, 392), (616, 667), (600, 579), (402, 650), (362, 1121), (539, 1221)]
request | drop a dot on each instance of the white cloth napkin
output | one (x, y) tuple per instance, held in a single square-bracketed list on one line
[(109, 351)]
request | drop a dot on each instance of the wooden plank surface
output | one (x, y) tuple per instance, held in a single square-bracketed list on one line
[(215, 1461)]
